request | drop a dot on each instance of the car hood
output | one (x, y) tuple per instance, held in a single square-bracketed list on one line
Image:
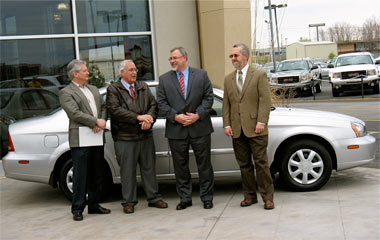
[(289, 73), (301, 116), (353, 68)]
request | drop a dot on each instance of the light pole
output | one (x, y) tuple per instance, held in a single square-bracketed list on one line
[(271, 33), (317, 25), (274, 6)]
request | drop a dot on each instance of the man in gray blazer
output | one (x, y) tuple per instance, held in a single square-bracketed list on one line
[(85, 108), (185, 97)]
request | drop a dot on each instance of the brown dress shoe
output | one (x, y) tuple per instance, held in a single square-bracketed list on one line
[(247, 202), (268, 205), (129, 209), (158, 204)]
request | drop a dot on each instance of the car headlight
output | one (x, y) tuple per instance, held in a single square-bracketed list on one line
[(359, 129), (274, 80), (372, 72), (337, 75), (304, 77)]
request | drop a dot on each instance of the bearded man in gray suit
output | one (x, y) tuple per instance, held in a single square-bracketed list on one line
[(185, 97), (85, 108)]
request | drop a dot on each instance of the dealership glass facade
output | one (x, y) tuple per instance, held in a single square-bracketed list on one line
[(39, 37)]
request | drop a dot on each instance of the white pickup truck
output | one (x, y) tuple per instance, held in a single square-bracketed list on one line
[(349, 70)]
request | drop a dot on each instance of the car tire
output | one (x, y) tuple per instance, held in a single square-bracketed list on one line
[(335, 92), (66, 181), (306, 165)]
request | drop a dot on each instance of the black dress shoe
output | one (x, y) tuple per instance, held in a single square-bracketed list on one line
[(99, 210), (183, 205), (77, 216), (207, 204)]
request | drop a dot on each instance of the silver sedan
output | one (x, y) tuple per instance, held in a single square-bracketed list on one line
[(304, 147)]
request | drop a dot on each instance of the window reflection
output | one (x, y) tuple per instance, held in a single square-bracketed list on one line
[(25, 17), (108, 52), (99, 16), (20, 60)]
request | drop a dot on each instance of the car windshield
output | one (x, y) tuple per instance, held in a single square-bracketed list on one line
[(353, 60), (292, 65)]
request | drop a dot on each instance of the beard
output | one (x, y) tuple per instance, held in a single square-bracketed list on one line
[(237, 65)]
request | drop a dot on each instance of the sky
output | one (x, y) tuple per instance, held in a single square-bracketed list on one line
[(293, 21)]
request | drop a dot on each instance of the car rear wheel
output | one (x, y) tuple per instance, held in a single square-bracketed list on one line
[(66, 180), (305, 165)]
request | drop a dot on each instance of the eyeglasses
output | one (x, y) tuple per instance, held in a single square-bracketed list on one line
[(174, 58), (234, 55), (132, 70)]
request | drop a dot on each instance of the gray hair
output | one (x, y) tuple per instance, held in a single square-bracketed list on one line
[(181, 50), (243, 48), (74, 66), (122, 64)]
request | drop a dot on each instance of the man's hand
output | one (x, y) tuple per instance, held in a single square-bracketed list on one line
[(259, 128), (182, 119), (145, 125), (101, 123), (228, 131), (192, 118), (145, 118)]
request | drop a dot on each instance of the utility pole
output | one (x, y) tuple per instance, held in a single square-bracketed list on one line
[(254, 34), (274, 6), (317, 25), (271, 33)]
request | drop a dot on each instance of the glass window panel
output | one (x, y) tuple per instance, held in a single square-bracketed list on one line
[(26, 17), (107, 52), (40, 60), (99, 16)]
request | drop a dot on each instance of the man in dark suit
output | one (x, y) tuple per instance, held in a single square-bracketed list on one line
[(85, 108), (185, 97), (246, 108)]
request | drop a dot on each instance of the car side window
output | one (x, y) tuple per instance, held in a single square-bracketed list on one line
[(32, 100), (216, 110)]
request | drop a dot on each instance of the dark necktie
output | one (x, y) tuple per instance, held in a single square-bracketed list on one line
[(132, 92), (240, 82), (182, 83)]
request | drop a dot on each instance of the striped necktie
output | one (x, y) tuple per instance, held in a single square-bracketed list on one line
[(240, 82), (182, 83), (132, 92)]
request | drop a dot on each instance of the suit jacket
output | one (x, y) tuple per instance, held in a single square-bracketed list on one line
[(77, 108), (124, 110), (243, 112), (199, 100)]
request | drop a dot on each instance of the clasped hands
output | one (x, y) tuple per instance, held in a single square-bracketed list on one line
[(100, 125), (145, 121), (187, 119)]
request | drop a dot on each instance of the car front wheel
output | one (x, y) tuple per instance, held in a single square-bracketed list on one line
[(305, 165)]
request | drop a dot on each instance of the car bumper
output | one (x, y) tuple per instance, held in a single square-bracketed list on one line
[(354, 83), (349, 158), (33, 168)]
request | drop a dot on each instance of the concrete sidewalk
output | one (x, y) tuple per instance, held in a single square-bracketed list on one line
[(346, 208)]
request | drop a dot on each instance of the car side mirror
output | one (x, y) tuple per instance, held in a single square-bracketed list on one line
[(377, 62), (272, 71), (314, 67), (330, 65)]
